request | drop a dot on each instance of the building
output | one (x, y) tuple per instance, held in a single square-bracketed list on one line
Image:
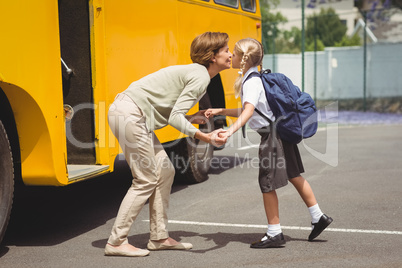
[(385, 25), (291, 9)]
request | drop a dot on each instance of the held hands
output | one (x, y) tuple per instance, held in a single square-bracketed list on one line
[(224, 134), (218, 137)]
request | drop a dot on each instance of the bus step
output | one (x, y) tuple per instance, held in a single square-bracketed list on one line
[(80, 172)]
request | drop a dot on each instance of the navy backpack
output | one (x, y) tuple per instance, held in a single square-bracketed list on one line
[(295, 111)]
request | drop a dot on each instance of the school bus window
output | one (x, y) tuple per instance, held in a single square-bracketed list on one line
[(230, 3), (248, 5)]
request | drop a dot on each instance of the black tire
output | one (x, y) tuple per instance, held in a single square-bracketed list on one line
[(192, 160), (6, 181)]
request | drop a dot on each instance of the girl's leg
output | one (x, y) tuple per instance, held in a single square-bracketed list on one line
[(274, 237), (319, 220), (271, 206), (305, 191)]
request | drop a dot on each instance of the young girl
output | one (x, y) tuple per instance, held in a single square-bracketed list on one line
[(247, 56)]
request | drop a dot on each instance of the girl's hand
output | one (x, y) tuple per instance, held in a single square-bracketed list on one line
[(212, 112), (198, 118)]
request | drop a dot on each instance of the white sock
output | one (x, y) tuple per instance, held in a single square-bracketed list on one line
[(315, 213), (274, 229)]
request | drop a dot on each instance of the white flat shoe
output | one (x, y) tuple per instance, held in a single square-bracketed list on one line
[(152, 245), (113, 251)]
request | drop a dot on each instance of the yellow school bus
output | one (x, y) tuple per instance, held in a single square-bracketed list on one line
[(62, 64)]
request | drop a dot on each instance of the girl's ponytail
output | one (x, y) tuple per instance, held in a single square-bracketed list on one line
[(238, 82), (252, 53)]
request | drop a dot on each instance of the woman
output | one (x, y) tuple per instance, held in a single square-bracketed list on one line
[(150, 103)]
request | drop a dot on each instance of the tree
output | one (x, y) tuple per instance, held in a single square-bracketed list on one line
[(312, 47), (289, 41), (326, 26), (270, 22), (346, 41)]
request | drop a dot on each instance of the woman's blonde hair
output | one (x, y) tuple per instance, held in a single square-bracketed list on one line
[(206, 45), (252, 52)]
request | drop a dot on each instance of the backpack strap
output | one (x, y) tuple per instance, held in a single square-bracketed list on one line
[(253, 74), (263, 116), (272, 128)]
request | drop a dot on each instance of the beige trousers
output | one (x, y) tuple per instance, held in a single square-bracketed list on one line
[(152, 171)]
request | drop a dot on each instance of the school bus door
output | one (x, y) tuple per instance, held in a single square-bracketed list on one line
[(77, 85)]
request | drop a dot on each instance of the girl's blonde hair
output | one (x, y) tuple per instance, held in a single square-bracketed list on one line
[(252, 52)]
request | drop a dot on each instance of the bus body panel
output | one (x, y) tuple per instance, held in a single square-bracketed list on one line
[(30, 76), (129, 39)]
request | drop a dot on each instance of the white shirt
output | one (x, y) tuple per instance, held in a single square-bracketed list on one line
[(253, 92)]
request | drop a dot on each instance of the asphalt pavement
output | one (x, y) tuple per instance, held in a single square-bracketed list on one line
[(354, 170)]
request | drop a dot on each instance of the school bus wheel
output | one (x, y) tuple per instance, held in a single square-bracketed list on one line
[(192, 160), (199, 155), (6, 180)]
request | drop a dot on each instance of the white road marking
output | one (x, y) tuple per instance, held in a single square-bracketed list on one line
[(283, 227), (248, 147)]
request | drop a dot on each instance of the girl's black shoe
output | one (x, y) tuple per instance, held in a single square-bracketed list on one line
[(269, 242), (319, 226)]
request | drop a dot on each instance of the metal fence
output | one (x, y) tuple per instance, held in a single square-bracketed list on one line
[(366, 77)]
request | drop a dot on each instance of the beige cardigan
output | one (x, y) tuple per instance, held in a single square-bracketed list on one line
[(168, 94)]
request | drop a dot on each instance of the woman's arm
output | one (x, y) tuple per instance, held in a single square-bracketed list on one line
[(195, 87)]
